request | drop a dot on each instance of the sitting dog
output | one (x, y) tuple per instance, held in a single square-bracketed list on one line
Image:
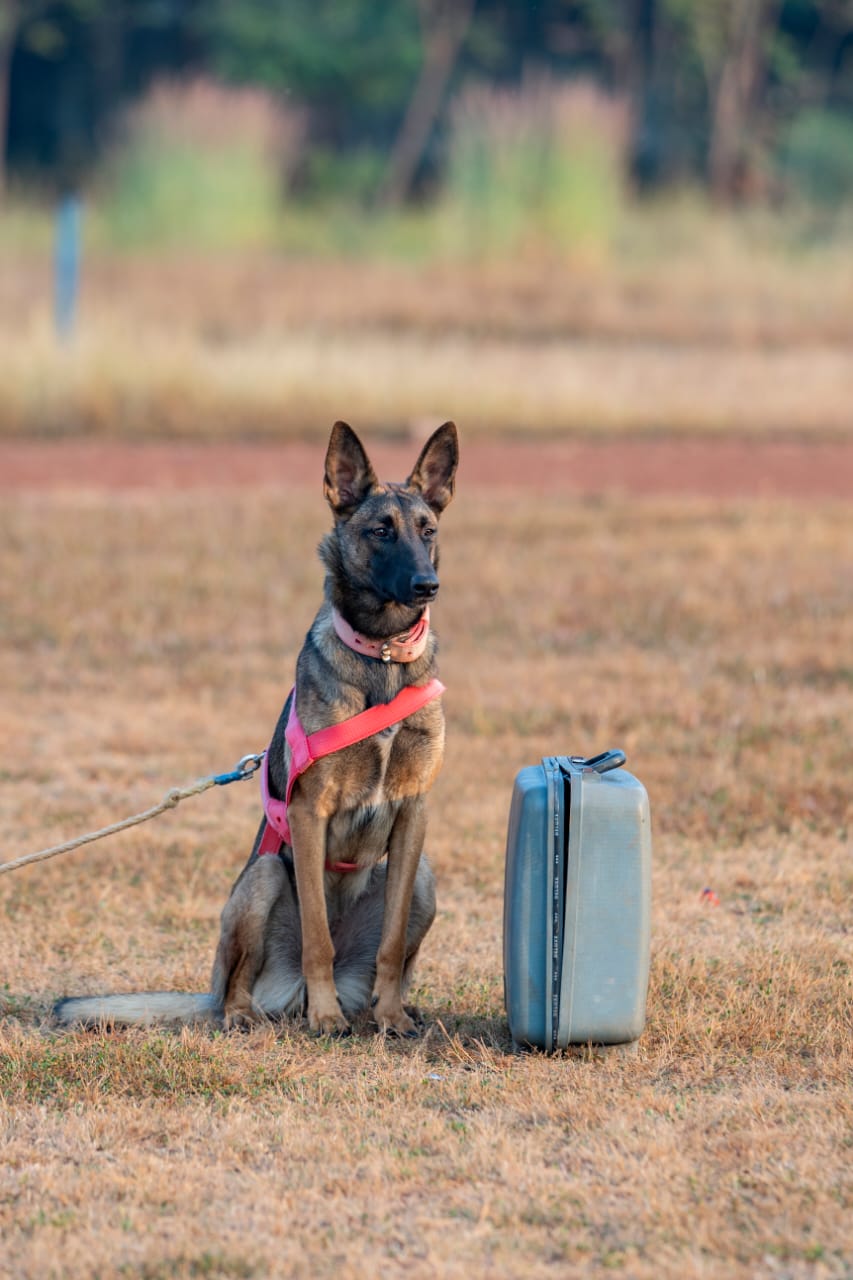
[(320, 916)]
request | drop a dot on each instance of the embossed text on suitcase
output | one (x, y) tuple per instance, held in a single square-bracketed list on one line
[(577, 903)]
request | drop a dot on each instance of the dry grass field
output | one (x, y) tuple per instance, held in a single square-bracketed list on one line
[(148, 638), (715, 338)]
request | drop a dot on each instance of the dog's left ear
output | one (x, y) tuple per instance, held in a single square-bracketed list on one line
[(435, 470)]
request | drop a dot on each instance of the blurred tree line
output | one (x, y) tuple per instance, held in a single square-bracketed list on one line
[(712, 86)]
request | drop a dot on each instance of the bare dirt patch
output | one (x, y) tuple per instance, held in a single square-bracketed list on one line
[(656, 466)]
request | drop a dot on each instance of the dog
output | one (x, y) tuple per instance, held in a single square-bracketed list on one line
[(328, 917)]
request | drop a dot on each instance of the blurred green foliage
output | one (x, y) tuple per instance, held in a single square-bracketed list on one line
[(173, 193), (751, 98), (544, 163), (326, 53), (816, 157)]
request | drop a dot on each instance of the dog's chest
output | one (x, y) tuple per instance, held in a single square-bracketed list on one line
[(369, 805), (386, 736), (362, 834)]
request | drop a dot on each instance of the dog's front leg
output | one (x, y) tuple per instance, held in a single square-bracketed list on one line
[(308, 831), (404, 854)]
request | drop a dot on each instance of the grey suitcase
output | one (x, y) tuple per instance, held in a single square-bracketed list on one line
[(577, 903)]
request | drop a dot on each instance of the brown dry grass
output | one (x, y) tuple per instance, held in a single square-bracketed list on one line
[(714, 341), (146, 640)]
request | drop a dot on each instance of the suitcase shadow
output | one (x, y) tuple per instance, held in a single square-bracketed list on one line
[(468, 1035)]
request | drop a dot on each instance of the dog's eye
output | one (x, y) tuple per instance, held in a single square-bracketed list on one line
[(429, 531), (381, 531)]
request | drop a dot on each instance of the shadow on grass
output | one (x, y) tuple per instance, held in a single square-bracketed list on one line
[(488, 1030)]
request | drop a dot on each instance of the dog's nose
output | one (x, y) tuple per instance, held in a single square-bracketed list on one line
[(424, 586)]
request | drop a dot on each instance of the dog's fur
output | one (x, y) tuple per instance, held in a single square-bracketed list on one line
[(293, 932)]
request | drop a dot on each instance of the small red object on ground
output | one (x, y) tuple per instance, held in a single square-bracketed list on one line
[(709, 898)]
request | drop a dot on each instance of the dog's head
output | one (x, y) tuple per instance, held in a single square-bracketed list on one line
[(384, 551)]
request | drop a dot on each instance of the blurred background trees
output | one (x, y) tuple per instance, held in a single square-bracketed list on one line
[(387, 103), (543, 216)]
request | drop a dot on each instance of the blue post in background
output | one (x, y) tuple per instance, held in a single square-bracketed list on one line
[(67, 264)]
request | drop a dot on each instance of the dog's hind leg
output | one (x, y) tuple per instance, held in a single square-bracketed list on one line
[(279, 991), (242, 940), (421, 916), (357, 935)]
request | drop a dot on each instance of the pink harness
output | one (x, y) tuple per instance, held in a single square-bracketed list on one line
[(305, 748)]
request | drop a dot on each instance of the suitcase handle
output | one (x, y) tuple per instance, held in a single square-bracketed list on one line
[(602, 763)]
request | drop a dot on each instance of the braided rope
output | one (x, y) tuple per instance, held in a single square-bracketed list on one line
[(169, 801)]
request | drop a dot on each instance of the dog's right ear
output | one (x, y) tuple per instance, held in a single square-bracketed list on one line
[(349, 476)]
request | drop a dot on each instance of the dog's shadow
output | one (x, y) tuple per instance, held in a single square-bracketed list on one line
[(477, 1033), (441, 1032), (469, 1039)]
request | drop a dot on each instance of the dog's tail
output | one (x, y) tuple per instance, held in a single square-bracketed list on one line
[(138, 1009)]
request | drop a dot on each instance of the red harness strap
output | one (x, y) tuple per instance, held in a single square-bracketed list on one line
[(306, 748)]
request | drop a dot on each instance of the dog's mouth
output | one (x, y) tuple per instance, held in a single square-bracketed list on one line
[(417, 601), (400, 616), (420, 603)]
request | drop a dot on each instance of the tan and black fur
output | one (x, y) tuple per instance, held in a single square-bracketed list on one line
[(293, 934)]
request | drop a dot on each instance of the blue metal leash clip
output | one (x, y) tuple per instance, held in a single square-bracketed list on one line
[(245, 768)]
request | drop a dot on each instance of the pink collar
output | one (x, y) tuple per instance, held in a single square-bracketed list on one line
[(405, 647)]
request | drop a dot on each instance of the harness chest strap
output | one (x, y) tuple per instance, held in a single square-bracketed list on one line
[(305, 749)]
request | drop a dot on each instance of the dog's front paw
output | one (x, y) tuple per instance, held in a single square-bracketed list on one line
[(391, 1019), (417, 1017), (327, 1019), (337, 1027)]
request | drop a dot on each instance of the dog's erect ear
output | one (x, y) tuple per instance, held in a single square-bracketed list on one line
[(435, 470), (349, 476)]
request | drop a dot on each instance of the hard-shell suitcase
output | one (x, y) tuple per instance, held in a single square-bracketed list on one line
[(577, 903)]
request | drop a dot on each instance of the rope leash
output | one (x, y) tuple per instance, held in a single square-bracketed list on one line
[(243, 769)]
